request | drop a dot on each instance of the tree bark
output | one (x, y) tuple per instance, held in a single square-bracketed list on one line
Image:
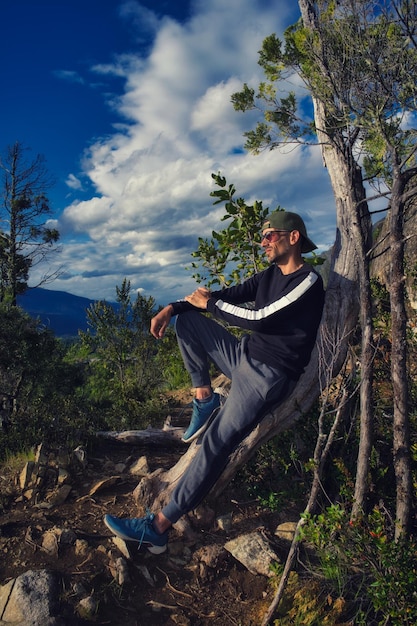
[(401, 422), (347, 183)]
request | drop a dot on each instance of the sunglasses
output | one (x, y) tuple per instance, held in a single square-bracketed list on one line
[(273, 235)]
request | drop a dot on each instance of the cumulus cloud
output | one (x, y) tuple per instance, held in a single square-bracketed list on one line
[(152, 175)]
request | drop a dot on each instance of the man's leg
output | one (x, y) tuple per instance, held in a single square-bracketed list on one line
[(201, 340), (254, 388)]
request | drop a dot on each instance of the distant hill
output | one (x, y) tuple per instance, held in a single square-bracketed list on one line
[(62, 312)]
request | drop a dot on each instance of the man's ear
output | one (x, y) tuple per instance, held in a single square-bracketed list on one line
[(295, 237)]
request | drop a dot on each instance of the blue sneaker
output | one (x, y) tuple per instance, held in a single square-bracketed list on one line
[(202, 412), (138, 529)]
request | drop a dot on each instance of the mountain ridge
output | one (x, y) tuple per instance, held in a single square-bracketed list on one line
[(60, 311)]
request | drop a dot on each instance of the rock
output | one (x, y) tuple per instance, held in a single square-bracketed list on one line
[(31, 600), (26, 475), (140, 467), (87, 608), (59, 496), (224, 522), (103, 484), (66, 536), (254, 552), (80, 457), (286, 531), (5, 593), (54, 537), (211, 555), (41, 455), (119, 570), (121, 545), (63, 476), (207, 561), (81, 547), (28, 494), (63, 459), (78, 589), (145, 573), (50, 543)]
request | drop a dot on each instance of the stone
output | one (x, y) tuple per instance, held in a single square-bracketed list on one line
[(50, 543), (286, 531), (121, 545), (5, 593), (224, 522), (66, 536), (32, 599), (103, 484), (80, 456), (211, 555), (59, 496), (119, 570), (28, 494), (41, 456), (26, 475), (63, 475), (140, 467), (54, 537), (254, 551), (81, 547), (145, 573), (87, 608)]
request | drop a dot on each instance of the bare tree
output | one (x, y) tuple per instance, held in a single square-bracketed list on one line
[(25, 238), (379, 52)]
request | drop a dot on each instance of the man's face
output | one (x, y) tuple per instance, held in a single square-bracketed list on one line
[(277, 244)]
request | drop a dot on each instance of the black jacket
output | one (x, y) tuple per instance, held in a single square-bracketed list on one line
[(282, 311)]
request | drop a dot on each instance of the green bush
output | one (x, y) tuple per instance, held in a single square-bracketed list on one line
[(365, 565)]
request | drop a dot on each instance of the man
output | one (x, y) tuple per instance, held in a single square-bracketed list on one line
[(264, 366)]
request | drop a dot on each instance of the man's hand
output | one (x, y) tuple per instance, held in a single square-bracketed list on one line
[(160, 322), (199, 297)]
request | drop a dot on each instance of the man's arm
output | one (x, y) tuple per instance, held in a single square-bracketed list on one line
[(160, 322), (199, 297)]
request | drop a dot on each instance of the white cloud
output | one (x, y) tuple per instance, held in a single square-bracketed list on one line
[(152, 176), (73, 182)]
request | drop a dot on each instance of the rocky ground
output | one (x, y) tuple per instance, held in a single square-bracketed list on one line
[(55, 524)]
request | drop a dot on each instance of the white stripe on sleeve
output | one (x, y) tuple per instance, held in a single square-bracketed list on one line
[(270, 309)]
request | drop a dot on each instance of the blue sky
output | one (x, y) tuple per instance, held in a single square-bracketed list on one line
[(129, 102)]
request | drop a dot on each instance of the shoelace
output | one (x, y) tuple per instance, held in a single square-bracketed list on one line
[(146, 521)]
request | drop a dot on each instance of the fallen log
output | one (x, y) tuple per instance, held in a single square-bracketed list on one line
[(166, 436)]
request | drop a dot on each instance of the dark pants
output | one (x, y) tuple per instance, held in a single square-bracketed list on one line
[(255, 387)]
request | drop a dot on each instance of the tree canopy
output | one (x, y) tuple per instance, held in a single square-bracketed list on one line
[(25, 237)]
